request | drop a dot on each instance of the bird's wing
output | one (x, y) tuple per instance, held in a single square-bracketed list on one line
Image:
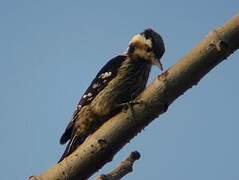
[(105, 75)]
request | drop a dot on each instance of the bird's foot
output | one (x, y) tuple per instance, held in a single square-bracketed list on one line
[(129, 106)]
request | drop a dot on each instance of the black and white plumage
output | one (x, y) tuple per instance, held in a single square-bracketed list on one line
[(119, 81), (106, 74)]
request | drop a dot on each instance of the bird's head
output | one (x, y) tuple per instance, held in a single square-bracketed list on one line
[(147, 45)]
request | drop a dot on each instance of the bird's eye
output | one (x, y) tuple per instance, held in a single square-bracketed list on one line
[(149, 49)]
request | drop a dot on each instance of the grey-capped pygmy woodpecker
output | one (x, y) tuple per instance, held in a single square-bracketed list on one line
[(119, 81)]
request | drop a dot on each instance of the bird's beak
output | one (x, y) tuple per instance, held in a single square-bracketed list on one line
[(158, 63)]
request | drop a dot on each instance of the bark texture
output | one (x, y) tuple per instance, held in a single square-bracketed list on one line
[(118, 131)]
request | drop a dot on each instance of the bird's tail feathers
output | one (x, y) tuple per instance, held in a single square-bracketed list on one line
[(71, 146), (67, 134)]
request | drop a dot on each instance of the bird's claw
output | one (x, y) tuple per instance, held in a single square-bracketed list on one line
[(129, 105)]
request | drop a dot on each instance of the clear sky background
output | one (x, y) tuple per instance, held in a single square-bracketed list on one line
[(51, 49)]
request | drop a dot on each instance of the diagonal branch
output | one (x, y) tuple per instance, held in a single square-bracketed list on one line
[(124, 168), (119, 130)]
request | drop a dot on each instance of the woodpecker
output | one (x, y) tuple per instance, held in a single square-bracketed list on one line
[(118, 82)]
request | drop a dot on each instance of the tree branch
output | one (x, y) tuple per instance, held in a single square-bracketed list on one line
[(124, 168), (119, 130)]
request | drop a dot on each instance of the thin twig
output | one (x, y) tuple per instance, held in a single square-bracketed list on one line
[(123, 169)]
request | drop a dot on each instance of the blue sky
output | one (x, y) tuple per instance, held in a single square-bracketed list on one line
[(50, 51)]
